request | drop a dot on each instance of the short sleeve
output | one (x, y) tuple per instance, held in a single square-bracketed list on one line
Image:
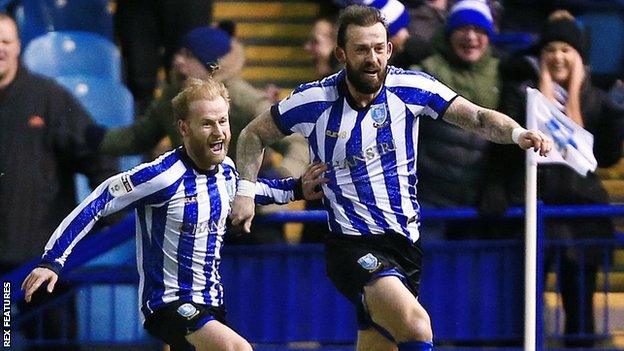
[(298, 112), (422, 93)]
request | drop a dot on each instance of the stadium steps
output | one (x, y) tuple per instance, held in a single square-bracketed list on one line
[(273, 33), (554, 316), (615, 282)]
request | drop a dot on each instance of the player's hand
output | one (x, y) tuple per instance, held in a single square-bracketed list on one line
[(537, 140), (36, 278), (312, 179), (243, 210)]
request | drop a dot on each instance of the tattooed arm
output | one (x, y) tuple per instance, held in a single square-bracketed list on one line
[(494, 126), (260, 132)]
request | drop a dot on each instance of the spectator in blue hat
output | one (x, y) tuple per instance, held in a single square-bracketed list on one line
[(202, 53), (464, 62)]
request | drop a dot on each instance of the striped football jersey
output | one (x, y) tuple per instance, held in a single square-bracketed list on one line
[(181, 214), (370, 151)]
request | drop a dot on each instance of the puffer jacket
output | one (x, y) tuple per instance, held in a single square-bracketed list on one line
[(451, 160)]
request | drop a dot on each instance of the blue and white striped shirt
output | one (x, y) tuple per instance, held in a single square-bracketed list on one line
[(371, 151), (180, 223)]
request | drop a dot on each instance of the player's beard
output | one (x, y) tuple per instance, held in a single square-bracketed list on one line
[(362, 83), (201, 149)]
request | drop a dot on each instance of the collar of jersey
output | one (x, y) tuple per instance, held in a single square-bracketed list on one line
[(344, 91), (189, 163)]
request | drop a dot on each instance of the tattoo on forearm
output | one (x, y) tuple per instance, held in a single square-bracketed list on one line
[(249, 156), (495, 126), (260, 133), (490, 124)]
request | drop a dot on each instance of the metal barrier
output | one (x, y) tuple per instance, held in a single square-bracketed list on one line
[(279, 293)]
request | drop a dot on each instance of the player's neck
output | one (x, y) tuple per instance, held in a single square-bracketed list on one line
[(199, 162), (361, 99)]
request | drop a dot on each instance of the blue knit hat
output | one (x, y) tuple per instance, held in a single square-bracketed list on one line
[(394, 12), (207, 44), (470, 13)]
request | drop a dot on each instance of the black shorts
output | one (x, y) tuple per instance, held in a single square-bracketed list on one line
[(173, 321), (354, 261)]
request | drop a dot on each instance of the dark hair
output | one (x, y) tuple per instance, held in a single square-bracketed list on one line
[(358, 15)]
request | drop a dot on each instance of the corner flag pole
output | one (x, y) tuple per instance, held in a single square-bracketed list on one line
[(530, 256)]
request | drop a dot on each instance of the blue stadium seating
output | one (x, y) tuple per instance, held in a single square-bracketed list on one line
[(58, 54), (110, 104), (38, 17), (606, 42)]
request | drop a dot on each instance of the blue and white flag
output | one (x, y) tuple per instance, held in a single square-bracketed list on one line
[(573, 145)]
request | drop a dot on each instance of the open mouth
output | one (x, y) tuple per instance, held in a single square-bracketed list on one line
[(216, 147), (371, 72)]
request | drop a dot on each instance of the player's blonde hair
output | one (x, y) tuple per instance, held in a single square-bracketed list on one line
[(198, 89)]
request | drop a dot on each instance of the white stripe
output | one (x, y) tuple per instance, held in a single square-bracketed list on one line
[(392, 11), (139, 261), (201, 238), (374, 171), (375, 168), (316, 94), (321, 128), (399, 131), (348, 115), (474, 5), (225, 203), (421, 82), (343, 176), (218, 287), (170, 246), (148, 222), (304, 128)]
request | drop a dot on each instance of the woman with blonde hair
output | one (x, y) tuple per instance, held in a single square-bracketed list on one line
[(560, 73)]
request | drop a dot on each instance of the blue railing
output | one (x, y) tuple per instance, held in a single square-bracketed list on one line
[(279, 293)]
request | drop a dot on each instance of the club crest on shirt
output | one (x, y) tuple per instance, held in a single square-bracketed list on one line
[(378, 114), (188, 311), (369, 262)]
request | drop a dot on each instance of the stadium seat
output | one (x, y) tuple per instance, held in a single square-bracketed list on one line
[(38, 17), (58, 54), (110, 104), (606, 42)]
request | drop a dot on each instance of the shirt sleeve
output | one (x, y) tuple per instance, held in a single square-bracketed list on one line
[(422, 93), (440, 98), (299, 112), (277, 191), (141, 185)]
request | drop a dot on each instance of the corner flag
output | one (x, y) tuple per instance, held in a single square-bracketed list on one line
[(573, 145)]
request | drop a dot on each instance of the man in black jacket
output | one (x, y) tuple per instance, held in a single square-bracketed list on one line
[(42, 146)]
